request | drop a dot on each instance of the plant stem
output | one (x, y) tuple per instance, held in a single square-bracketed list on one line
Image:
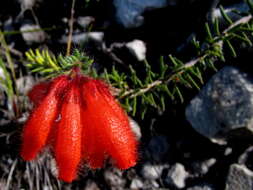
[(131, 93), (71, 22)]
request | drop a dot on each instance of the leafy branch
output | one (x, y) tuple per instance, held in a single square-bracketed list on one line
[(50, 66), (8, 78), (151, 90), (177, 73)]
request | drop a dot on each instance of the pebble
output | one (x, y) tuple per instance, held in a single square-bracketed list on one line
[(138, 49), (152, 172), (129, 12), (177, 176), (224, 107), (32, 33), (239, 178)]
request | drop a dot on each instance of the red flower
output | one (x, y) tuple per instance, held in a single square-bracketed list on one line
[(42, 119), (81, 120), (105, 119)]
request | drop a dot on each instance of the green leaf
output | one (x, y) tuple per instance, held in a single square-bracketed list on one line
[(231, 48), (178, 92), (134, 105), (225, 16), (217, 27), (208, 31), (193, 82)]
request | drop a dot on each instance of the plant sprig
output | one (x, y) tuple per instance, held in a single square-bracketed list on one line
[(139, 94), (49, 65)]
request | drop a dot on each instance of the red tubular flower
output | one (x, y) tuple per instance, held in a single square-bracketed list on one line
[(38, 92), (82, 120), (110, 125), (68, 135), (42, 118)]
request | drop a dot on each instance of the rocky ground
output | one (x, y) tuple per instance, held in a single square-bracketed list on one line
[(204, 143)]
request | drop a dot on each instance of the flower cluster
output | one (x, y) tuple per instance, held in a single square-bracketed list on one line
[(82, 122)]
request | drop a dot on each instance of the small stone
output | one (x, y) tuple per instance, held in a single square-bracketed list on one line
[(207, 164), (27, 4), (151, 185), (152, 172), (32, 33), (154, 184), (114, 178), (91, 185), (138, 49), (84, 37), (228, 151), (224, 107), (129, 12), (203, 167), (85, 21), (96, 36), (24, 84), (136, 184), (45, 187), (239, 178), (177, 176), (135, 128), (246, 157)]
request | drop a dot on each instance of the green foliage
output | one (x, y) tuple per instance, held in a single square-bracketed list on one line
[(141, 92), (50, 66), (6, 81), (8, 78)]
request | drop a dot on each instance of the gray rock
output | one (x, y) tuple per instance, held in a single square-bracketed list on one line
[(96, 36), (246, 156), (138, 49), (91, 185), (136, 184), (203, 167), (135, 128), (128, 12), (151, 185), (177, 176), (85, 37), (32, 33), (152, 172), (24, 84), (228, 151), (114, 178), (239, 178), (85, 21), (27, 4), (157, 148), (224, 107)]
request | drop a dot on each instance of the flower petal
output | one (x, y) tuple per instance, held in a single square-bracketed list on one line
[(38, 92), (93, 149), (111, 122), (38, 125), (68, 135)]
